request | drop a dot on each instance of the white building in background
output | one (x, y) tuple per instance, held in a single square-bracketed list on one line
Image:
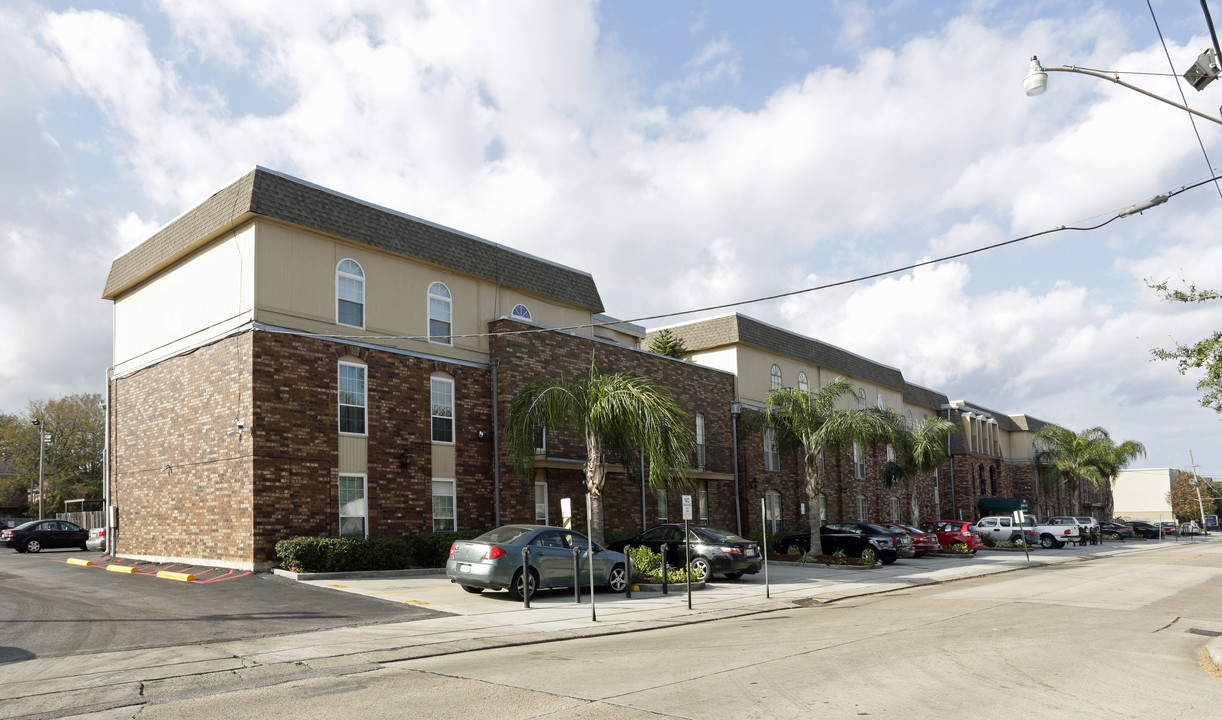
[(1142, 494)]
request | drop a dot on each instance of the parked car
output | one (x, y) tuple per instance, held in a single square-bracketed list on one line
[(955, 533), (97, 539), (713, 551), (1141, 528), (1058, 531), (1191, 527), (493, 561), (38, 535), (854, 539), (1115, 529), (1004, 529), (922, 542)]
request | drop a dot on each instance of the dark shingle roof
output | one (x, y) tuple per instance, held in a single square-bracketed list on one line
[(266, 193), (730, 329), (923, 396)]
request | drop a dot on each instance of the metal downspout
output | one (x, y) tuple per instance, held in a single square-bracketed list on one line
[(106, 466), (954, 505), (496, 445), (738, 512), (644, 505)]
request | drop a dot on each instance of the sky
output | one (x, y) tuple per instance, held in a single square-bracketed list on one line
[(686, 154)]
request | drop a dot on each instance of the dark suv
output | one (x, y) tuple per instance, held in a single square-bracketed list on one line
[(854, 539)]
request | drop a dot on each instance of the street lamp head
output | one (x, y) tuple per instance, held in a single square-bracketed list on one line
[(36, 422), (1036, 81)]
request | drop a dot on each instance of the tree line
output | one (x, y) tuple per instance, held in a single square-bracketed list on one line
[(73, 434)]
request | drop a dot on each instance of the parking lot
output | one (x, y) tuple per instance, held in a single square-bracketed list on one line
[(52, 608)]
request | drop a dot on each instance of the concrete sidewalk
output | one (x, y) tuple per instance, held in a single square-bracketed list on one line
[(46, 687)]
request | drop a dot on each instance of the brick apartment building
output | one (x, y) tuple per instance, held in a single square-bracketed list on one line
[(290, 361)]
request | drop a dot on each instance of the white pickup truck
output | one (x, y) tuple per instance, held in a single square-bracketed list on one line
[(1053, 534)]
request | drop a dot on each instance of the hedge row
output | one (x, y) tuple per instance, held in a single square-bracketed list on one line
[(350, 554)]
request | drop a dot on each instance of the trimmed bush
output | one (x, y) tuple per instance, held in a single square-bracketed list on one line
[(350, 554)]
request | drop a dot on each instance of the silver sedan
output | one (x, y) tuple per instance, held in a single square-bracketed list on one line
[(493, 561)]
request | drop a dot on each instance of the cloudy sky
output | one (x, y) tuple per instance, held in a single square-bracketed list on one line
[(687, 154)]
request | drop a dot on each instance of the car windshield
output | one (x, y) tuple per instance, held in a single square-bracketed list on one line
[(506, 534)]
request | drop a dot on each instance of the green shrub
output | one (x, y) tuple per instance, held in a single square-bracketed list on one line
[(774, 542), (343, 554), (647, 567), (431, 550), (988, 539)]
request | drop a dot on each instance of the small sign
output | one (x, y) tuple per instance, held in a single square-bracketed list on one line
[(687, 507), (803, 508), (566, 508)]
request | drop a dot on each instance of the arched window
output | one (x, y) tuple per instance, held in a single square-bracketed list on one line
[(861, 398), (910, 425), (776, 377), (349, 293), (803, 385), (439, 314), (882, 402), (772, 503), (521, 312)]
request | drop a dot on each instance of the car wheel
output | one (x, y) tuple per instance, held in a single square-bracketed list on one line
[(1047, 542), (702, 570), (472, 589), (519, 588), (32, 545), (618, 580), (84, 547), (1058, 544), (868, 554), (888, 559), (733, 575)]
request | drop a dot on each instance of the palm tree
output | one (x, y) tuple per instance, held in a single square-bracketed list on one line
[(811, 423), (1116, 459), (919, 449), (616, 415), (1070, 458)]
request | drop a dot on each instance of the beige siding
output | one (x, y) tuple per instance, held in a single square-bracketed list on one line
[(445, 461), (196, 301), (296, 288), (353, 454)]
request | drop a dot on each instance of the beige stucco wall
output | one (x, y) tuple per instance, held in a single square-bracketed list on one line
[(295, 287), (1142, 494), (200, 299)]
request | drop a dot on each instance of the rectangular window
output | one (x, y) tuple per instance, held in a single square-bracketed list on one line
[(541, 441), (350, 301), (895, 509), (859, 462), (443, 410), (352, 410), (700, 447), (353, 518), (862, 514), (702, 500), (541, 504), (444, 518), (772, 455), (661, 494)]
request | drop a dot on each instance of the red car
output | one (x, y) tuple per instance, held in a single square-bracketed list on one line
[(922, 542), (953, 533)]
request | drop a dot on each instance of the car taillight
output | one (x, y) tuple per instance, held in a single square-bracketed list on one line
[(1066, 531), (731, 550), (453, 546), (494, 552)]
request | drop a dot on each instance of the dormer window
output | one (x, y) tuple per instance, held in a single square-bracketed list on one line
[(350, 293), (440, 326)]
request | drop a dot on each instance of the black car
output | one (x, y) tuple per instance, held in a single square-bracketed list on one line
[(1144, 529), (854, 539), (1115, 529), (44, 534), (713, 550)]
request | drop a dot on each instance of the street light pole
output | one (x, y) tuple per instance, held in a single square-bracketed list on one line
[(42, 441), (1036, 83)]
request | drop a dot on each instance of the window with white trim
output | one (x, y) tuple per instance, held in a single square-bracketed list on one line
[(701, 448), (444, 505), (861, 398), (776, 377), (702, 506), (353, 515), (882, 402), (442, 394), (910, 425), (541, 504), (822, 509), (662, 515), (895, 509), (803, 384), (353, 413), (890, 453), (541, 441), (772, 454), (863, 510), (440, 313), (859, 461), (520, 312), (349, 293), (772, 514)]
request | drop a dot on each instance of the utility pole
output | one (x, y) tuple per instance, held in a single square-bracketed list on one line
[(42, 442), (1196, 482)]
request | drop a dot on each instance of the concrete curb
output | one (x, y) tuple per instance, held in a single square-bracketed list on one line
[(367, 574)]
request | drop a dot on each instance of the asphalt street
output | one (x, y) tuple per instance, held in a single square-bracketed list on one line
[(49, 608)]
